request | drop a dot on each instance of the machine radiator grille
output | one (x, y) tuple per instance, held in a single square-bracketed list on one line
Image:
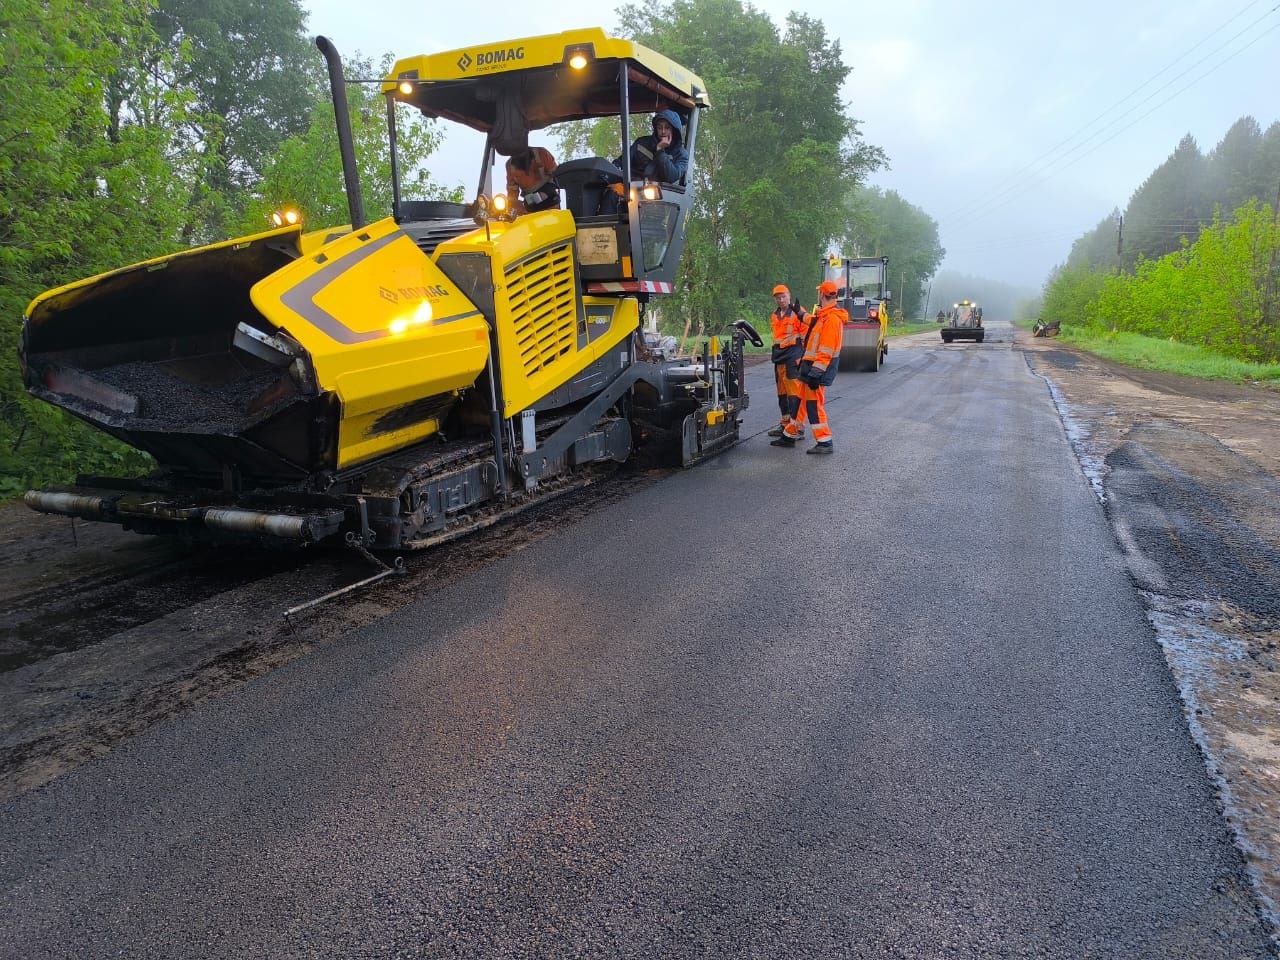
[(543, 300)]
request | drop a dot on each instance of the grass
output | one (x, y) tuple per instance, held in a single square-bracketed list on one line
[(1152, 353), (902, 330)]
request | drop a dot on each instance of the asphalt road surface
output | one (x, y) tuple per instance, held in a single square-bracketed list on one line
[(898, 702)]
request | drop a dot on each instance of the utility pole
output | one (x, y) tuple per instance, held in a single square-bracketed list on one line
[(1120, 238)]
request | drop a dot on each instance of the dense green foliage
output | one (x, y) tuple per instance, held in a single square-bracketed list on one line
[(1200, 261), (881, 223), (1222, 291), (253, 77), (87, 149), (133, 128)]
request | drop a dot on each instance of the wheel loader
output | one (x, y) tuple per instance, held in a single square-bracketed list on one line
[(399, 381), (863, 295), (964, 322)]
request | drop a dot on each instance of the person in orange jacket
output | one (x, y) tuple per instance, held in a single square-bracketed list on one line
[(818, 370), (789, 322)]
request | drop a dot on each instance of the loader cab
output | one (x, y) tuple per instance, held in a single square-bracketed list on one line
[(629, 231)]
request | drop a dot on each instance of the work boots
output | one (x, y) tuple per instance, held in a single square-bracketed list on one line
[(822, 448), (781, 432)]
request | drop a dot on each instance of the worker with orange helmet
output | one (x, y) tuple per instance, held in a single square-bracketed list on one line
[(818, 370), (789, 321)]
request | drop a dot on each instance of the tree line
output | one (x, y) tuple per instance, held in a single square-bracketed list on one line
[(1196, 257), (134, 128), (1182, 196)]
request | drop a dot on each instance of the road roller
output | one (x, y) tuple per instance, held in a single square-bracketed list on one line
[(398, 380), (863, 295)]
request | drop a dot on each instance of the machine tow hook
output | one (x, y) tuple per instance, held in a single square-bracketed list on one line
[(396, 569)]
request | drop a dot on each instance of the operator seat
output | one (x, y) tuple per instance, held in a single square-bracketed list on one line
[(584, 183)]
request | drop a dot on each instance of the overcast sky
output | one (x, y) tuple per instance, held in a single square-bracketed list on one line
[(972, 102)]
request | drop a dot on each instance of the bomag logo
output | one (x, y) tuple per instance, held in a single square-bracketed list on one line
[(434, 292), (487, 60)]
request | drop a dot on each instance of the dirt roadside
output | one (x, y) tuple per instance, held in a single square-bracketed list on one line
[(1188, 472)]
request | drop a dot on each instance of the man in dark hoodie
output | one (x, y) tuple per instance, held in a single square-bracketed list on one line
[(661, 156)]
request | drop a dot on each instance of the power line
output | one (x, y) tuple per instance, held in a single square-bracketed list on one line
[(973, 205), (1007, 197)]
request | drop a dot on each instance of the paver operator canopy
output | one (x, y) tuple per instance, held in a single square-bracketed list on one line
[(509, 90)]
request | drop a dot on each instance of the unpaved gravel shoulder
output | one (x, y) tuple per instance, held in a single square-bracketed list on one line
[(1188, 472)]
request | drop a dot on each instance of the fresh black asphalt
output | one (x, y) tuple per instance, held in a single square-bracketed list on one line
[(898, 702)]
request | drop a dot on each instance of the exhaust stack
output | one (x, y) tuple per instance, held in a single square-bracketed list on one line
[(346, 143)]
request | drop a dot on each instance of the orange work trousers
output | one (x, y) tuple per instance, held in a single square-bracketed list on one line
[(813, 407), (788, 391)]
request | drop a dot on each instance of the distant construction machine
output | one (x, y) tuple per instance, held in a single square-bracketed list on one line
[(395, 383), (864, 297), (964, 322)]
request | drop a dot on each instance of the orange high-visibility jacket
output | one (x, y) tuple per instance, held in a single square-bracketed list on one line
[(788, 326), (825, 337)]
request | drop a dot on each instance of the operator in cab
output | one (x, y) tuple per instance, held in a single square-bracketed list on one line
[(818, 370), (530, 184), (789, 321), (661, 156)]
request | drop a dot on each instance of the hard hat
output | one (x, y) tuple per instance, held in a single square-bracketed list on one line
[(828, 288), (781, 288)]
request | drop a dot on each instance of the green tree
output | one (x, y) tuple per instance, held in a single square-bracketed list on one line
[(1099, 248), (1231, 167), (1222, 291), (775, 153), (1267, 172), (1069, 293), (253, 75), (883, 224), (87, 182), (306, 169), (1169, 206)]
